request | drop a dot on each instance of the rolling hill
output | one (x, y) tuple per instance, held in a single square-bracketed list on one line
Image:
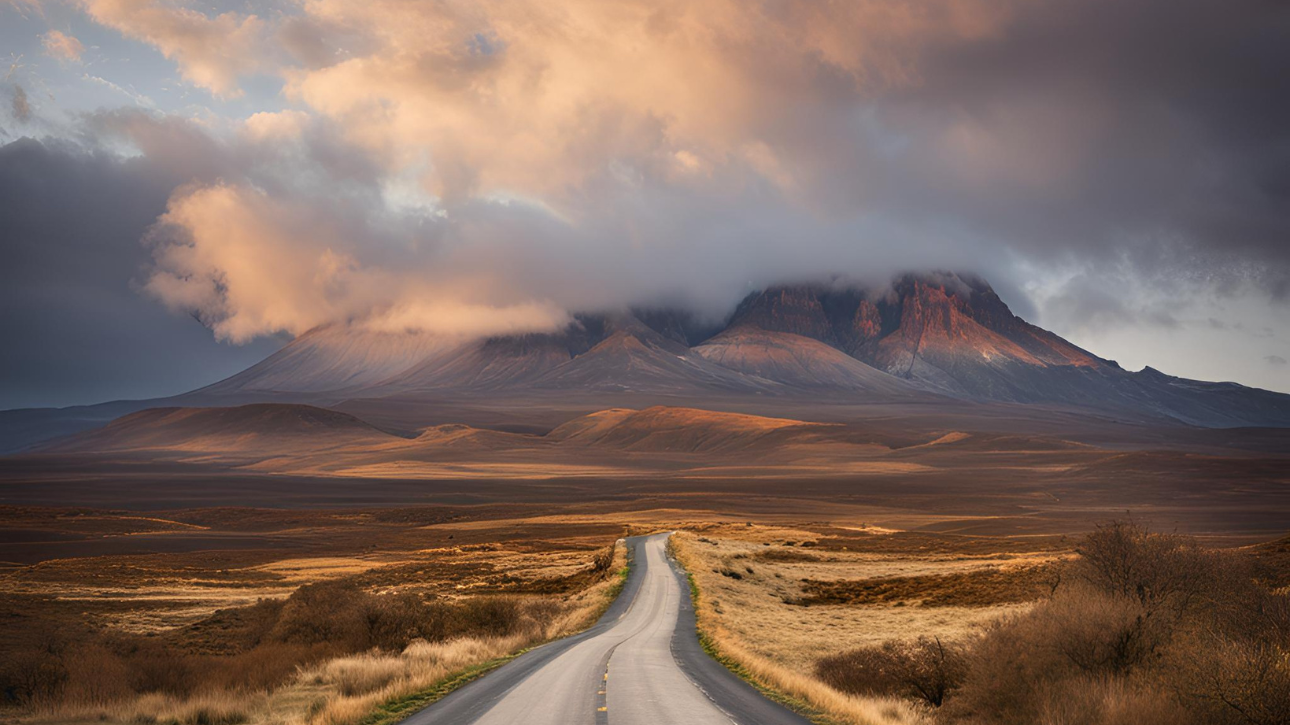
[(278, 429)]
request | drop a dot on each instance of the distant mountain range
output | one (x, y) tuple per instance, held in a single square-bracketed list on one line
[(923, 339), (940, 335)]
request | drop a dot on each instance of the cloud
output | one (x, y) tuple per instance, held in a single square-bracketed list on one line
[(1275, 360), (465, 165), (250, 265), (212, 52), (23, 7), (74, 327), (597, 155), (62, 46), (20, 106)]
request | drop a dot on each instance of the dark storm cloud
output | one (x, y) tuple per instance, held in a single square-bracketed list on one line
[(1153, 133), (74, 330)]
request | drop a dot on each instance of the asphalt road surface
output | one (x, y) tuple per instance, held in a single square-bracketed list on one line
[(641, 664)]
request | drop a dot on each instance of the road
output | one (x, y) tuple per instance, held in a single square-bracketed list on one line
[(641, 664)]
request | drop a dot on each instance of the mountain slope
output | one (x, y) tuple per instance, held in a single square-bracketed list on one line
[(798, 361), (635, 358), (334, 357)]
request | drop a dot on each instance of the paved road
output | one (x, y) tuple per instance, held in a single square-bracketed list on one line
[(641, 664)]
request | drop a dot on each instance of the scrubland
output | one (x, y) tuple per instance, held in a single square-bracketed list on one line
[(863, 601), (1121, 626), (325, 640)]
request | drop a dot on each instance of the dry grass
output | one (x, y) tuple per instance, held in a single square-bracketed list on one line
[(1138, 629), (773, 673), (212, 708), (757, 590), (980, 588), (360, 684), (97, 684)]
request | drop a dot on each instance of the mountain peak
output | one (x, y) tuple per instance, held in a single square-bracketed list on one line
[(944, 333)]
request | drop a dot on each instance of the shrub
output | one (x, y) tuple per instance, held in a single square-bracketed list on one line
[(154, 667), (96, 676), (33, 677), (1108, 701), (1145, 628), (1246, 681), (926, 669)]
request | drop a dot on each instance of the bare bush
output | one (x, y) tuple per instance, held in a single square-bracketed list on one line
[(1164, 573), (1236, 681), (926, 669), (1145, 628), (1108, 701), (1101, 634), (95, 676)]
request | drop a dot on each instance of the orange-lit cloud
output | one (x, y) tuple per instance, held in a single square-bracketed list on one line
[(62, 46), (536, 97), (249, 265), (211, 52)]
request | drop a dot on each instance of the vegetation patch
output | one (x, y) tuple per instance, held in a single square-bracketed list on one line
[(980, 588)]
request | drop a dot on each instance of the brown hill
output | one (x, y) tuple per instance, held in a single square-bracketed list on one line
[(272, 427), (665, 429)]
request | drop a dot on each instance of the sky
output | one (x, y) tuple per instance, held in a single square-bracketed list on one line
[(185, 186)]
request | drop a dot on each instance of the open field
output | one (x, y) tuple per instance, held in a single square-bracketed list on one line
[(763, 585), (807, 540)]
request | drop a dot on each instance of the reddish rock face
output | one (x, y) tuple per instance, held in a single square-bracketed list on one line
[(945, 316), (796, 310), (866, 324), (950, 332)]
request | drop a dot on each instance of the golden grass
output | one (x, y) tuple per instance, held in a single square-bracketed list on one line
[(829, 704), (756, 590), (348, 689), (208, 708), (360, 684)]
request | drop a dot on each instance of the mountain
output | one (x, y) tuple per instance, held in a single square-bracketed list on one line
[(930, 339), (265, 427), (920, 337), (952, 334), (335, 357), (794, 360), (606, 353), (492, 363), (945, 332), (635, 358)]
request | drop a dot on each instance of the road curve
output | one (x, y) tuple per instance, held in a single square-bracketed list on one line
[(641, 664)]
